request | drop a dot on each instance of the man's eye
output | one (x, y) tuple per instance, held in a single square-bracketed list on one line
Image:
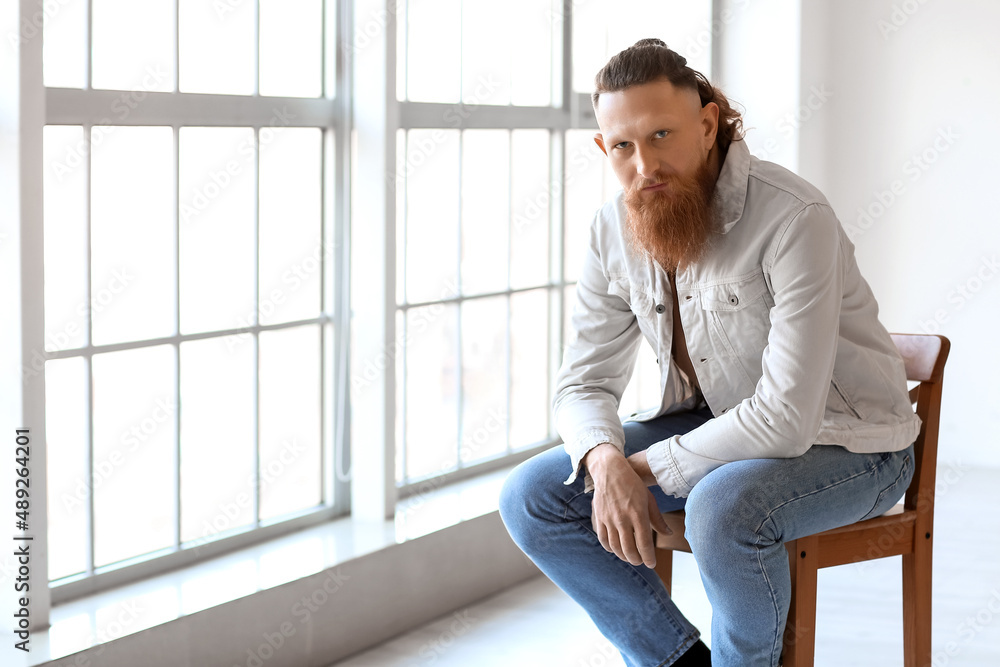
[(662, 134), (621, 145)]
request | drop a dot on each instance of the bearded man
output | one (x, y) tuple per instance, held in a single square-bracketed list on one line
[(784, 408)]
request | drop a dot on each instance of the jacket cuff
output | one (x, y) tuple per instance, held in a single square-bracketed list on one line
[(664, 468), (583, 443)]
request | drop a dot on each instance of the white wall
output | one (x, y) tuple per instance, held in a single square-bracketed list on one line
[(916, 87), (901, 141)]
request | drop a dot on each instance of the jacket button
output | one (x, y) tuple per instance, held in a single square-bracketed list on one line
[(660, 308), (733, 299)]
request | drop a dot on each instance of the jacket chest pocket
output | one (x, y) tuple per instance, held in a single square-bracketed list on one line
[(737, 314)]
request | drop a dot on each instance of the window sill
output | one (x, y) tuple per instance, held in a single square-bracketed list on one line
[(95, 620)]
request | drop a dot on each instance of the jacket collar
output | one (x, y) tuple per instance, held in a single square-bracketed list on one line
[(731, 188)]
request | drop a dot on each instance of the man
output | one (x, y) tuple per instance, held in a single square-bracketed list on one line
[(784, 409)]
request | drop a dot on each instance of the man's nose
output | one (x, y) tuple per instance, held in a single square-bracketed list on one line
[(646, 164)]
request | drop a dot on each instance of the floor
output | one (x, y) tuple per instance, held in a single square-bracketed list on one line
[(858, 615)]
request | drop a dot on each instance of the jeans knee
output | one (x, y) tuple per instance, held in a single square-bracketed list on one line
[(529, 506), (718, 515)]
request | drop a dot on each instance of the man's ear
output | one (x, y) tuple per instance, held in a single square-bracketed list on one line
[(599, 140), (710, 123)]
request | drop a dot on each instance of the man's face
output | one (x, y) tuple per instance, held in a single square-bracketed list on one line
[(659, 141), (655, 133)]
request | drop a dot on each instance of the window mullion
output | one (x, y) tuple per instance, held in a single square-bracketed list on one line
[(88, 279), (256, 322), (460, 364), (177, 346), (373, 268)]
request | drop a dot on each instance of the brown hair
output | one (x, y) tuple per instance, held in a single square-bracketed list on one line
[(652, 60)]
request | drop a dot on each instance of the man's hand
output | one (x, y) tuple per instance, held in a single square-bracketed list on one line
[(624, 512)]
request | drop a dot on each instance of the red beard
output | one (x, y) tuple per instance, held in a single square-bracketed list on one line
[(674, 226)]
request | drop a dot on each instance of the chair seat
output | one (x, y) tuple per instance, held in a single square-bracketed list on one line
[(890, 534)]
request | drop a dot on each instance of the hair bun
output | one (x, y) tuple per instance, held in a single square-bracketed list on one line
[(650, 41)]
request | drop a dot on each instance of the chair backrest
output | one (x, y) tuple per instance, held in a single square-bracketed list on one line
[(924, 357)]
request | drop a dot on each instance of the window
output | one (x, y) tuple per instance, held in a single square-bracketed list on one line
[(201, 193), (191, 290)]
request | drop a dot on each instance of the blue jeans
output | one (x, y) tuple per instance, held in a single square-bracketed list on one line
[(738, 518)]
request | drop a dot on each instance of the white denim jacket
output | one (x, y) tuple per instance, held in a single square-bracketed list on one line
[(781, 327)]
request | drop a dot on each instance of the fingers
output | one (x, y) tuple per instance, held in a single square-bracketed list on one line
[(656, 519), (621, 542), (602, 533), (645, 548)]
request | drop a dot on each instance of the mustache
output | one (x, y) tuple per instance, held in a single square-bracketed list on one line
[(643, 183)]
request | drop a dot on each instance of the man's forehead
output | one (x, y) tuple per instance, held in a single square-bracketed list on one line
[(659, 98)]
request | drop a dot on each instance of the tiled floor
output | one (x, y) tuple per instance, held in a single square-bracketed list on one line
[(858, 616)]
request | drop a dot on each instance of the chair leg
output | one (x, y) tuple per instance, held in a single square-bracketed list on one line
[(917, 602), (799, 642), (665, 566)]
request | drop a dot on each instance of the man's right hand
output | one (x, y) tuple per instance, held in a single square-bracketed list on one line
[(624, 512)]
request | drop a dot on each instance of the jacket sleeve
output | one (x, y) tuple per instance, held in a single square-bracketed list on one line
[(783, 416), (597, 362)]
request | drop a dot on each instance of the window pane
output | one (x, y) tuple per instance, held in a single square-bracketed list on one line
[(485, 210), (531, 53), (132, 227), (63, 49), (134, 438), (583, 196), (291, 47), (434, 50), (65, 237), (291, 252), (217, 238), (217, 435), (402, 335), (68, 482), (643, 390), (487, 29), (484, 378), (431, 390), (529, 368), (397, 184), (133, 44), (532, 190), (432, 198), (290, 471), (685, 25), (216, 47)]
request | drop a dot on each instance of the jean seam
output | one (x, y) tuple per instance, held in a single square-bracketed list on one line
[(881, 496), (867, 471), (631, 570), (757, 544), (776, 640)]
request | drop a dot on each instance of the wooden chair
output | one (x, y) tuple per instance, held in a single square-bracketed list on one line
[(907, 529)]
